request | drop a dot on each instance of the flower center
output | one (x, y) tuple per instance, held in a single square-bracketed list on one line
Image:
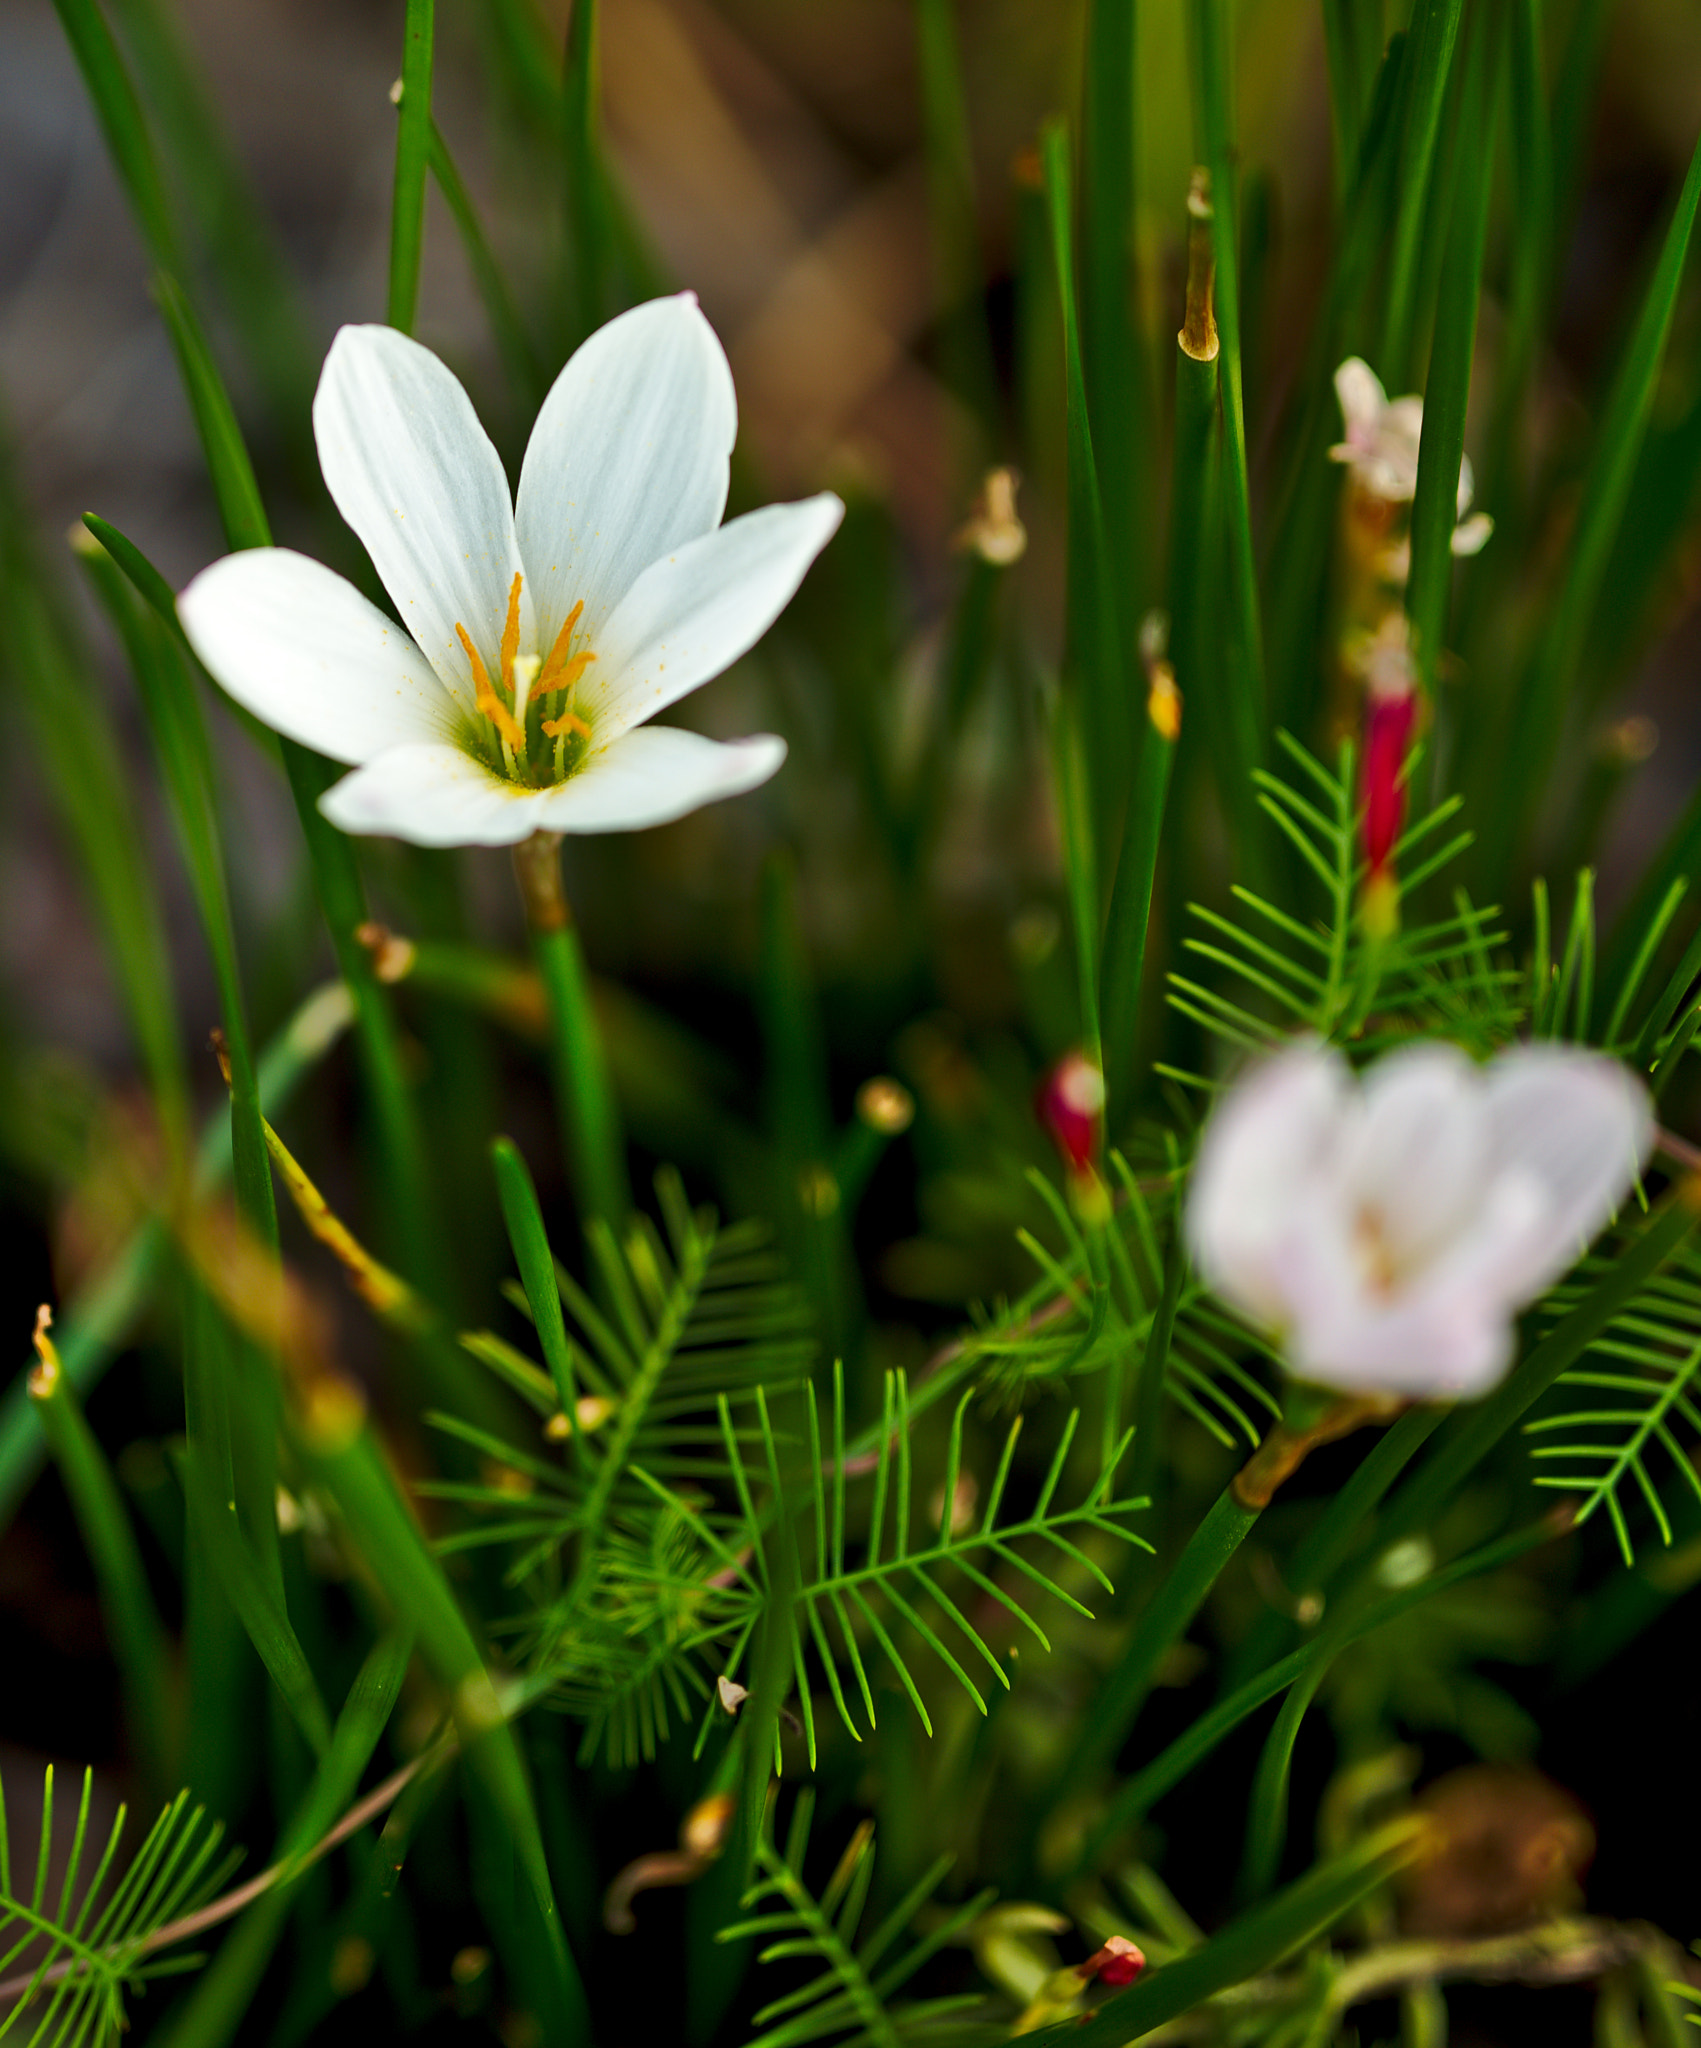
[(1376, 1256), (520, 740)]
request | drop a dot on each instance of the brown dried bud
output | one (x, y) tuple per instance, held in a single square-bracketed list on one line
[(1510, 1848)]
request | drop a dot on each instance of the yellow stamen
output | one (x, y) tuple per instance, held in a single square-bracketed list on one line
[(567, 676), (488, 702), (558, 653), (511, 635), (569, 721), (562, 670)]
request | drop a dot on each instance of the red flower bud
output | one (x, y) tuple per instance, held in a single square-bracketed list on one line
[(1070, 1104), (1119, 1962), (1387, 732)]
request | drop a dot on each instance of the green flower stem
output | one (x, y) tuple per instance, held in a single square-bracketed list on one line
[(584, 1098), (1107, 1722), (413, 149), (127, 1604)]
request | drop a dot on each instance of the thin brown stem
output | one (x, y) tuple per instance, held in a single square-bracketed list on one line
[(230, 1903)]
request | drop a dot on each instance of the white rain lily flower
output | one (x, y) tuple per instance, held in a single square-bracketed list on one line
[(1381, 448), (537, 635), (1389, 1227)]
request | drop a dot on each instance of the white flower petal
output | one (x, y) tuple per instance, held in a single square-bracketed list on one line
[(1362, 398), (435, 796), (1257, 1168), (415, 475), (306, 653), (1583, 1125), (1433, 1346), (1471, 535), (1416, 1157), (697, 610), (627, 462), (657, 774)]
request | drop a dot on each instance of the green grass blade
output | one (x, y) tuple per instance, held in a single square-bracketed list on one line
[(1436, 37), (519, 354), (1112, 349), (1447, 392), (1545, 689), (530, 1240), (120, 114), (965, 344), (225, 1994), (1093, 659), (1214, 147), (234, 484), (413, 151)]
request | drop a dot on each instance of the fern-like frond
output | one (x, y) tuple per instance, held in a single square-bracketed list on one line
[(848, 1999), (70, 1953), (703, 1312), (1264, 973), (846, 1610), (1631, 1408)]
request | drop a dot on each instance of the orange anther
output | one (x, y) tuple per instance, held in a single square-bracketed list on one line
[(552, 677), (569, 721), (511, 635), (566, 676), (488, 702)]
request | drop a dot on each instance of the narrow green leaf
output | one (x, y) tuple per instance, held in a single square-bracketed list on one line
[(1544, 690), (1093, 658), (519, 355), (225, 1993), (965, 344), (121, 119), (1447, 392), (1435, 29), (350, 1466), (530, 1240), (1112, 348), (588, 212), (234, 485), (413, 152), (1214, 147)]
